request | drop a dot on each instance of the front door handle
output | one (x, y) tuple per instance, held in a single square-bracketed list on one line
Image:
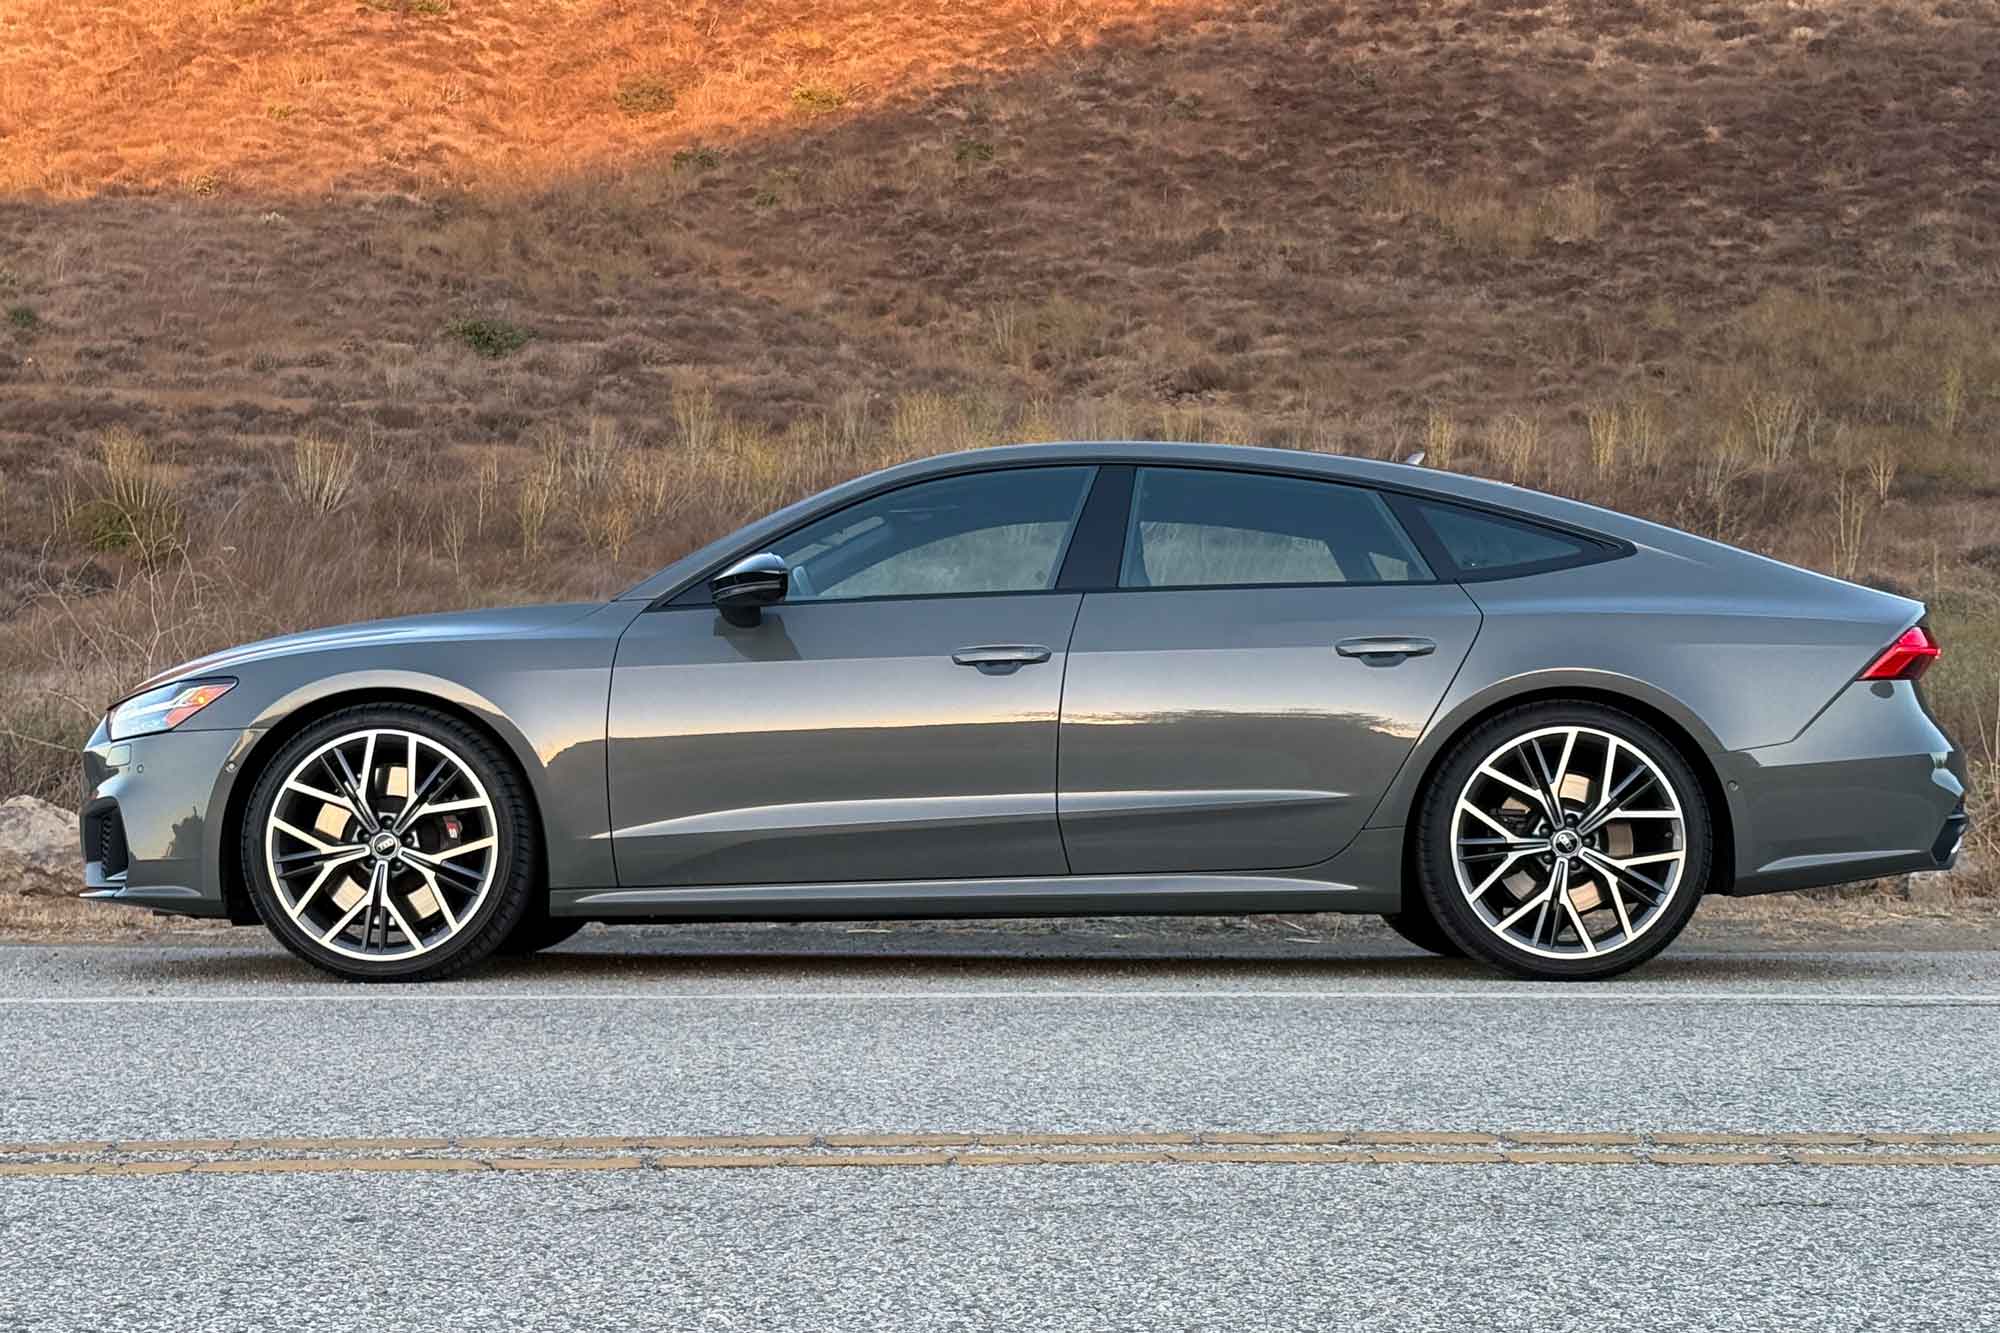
[(1385, 649), (998, 659)]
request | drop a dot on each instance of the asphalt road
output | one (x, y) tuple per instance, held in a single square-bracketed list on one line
[(991, 1031)]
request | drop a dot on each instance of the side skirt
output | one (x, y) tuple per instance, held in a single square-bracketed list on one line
[(1070, 895)]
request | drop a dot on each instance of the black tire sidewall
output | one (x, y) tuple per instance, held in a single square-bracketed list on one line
[(508, 899), (1438, 883)]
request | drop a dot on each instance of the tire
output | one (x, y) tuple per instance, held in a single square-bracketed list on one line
[(536, 933), (1416, 924), (1582, 892), (441, 895)]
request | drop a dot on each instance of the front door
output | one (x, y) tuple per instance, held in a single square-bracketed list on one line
[(893, 718), (1241, 702)]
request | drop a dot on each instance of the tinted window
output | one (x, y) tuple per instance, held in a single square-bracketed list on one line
[(1482, 543), (1195, 528), (991, 532)]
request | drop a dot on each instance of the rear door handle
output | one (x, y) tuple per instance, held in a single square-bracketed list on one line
[(1385, 649), (997, 659)]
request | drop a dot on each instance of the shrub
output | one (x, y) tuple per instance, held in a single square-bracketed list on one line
[(24, 320), (809, 99), (130, 507), (697, 157), (490, 337), (643, 95), (322, 473)]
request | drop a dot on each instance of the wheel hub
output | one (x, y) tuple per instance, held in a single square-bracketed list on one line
[(1566, 843)]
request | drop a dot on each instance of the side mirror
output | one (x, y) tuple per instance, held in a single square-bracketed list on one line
[(742, 591)]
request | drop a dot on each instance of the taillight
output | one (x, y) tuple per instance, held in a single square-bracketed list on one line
[(1905, 659)]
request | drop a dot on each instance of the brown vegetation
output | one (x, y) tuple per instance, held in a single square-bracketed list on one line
[(318, 312)]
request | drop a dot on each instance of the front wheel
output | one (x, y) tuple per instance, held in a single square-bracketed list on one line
[(390, 842), (1563, 841)]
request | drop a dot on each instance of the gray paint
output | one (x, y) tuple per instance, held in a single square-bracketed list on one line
[(1217, 728), (838, 753)]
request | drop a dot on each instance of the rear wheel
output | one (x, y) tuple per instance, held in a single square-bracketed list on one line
[(1564, 841), (390, 843)]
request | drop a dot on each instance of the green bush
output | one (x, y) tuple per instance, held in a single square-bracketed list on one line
[(490, 337), (700, 157)]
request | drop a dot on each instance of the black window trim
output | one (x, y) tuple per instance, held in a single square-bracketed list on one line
[(1597, 547), (695, 592)]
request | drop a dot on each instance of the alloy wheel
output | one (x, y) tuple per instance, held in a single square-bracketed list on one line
[(1569, 842), (382, 844)]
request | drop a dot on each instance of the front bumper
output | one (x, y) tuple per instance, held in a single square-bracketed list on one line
[(151, 815)]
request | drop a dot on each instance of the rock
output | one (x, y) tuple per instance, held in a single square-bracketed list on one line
[(1939, 888), (38, 848)]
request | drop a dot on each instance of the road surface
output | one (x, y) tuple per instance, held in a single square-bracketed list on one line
[(1098, 1127)]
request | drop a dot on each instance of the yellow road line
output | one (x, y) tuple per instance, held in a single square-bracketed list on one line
[(676, 1152)]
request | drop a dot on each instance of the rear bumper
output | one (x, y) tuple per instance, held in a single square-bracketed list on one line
[(1871, 788)]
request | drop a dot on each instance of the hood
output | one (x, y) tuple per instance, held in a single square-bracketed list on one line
[(490, 623)]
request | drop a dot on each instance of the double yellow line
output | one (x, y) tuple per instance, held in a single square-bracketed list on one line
[(687, 1152)]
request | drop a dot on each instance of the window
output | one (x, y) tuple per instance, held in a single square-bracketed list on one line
[(1487, 544), (1194, 528), (990, 532)]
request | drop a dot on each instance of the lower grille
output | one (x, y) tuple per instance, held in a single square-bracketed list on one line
[(107, 842)]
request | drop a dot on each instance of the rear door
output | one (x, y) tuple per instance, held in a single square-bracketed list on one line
[(1272, 651)]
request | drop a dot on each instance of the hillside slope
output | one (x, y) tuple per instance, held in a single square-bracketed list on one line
[(609, 277)]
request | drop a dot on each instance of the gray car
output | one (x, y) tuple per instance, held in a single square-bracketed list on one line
[(1052, 680)]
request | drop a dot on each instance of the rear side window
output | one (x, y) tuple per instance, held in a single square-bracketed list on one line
[(1192, 528), (1489, 545)]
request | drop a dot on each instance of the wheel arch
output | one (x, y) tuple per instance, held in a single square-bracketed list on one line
[(1679, 733), (288, 724)]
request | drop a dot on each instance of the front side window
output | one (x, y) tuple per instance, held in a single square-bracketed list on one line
[(1000, 531), (1192, 528)]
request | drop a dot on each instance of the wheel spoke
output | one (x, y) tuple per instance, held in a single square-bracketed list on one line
[(1539, 770), (1467, 807), (1507, 922), (1494, 878), (438, 894), (343, 774), (1635, 782), (476, 845), (1618, 903), (1487, 770)]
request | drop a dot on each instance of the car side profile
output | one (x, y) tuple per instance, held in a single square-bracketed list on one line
[(1057, 680)]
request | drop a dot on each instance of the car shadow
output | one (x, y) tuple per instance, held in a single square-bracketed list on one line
[(800, 957)]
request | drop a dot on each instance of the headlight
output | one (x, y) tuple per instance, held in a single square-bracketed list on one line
[(165, 708)]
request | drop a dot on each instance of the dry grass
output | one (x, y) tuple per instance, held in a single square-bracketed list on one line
[(524, 327)]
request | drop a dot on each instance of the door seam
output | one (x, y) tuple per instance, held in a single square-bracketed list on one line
[(1062, 690)]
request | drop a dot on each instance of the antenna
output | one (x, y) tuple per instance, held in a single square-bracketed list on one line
[(1416, 459)]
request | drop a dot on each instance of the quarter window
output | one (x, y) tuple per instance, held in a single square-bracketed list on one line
[(1000, 531), (1192, 527), (1492, 546)]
